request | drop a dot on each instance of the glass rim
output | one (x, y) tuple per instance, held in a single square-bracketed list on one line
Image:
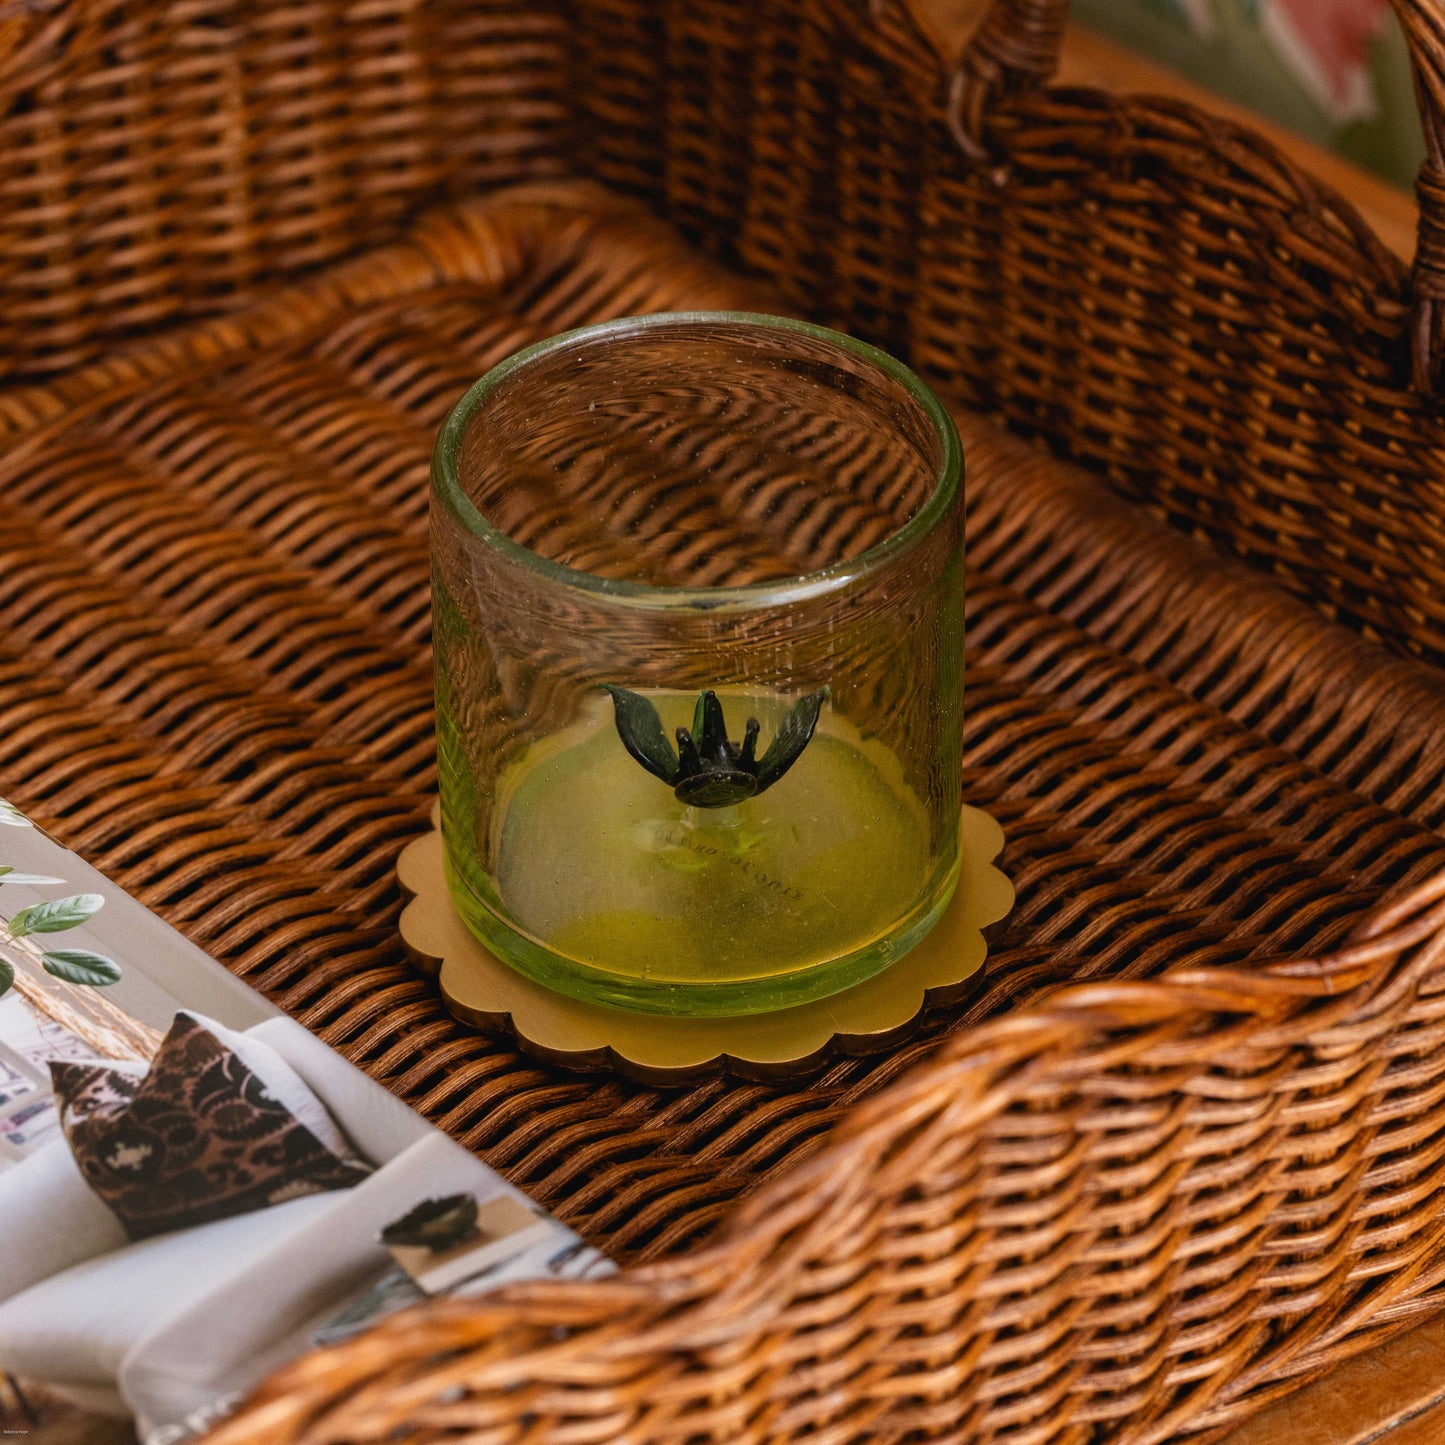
[(446, 483)]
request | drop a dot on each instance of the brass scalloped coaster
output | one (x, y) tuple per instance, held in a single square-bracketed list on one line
[(656, 1049)]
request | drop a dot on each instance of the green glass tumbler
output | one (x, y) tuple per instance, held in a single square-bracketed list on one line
[(698, 624)]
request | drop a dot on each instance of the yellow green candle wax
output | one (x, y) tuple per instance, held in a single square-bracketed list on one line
[(598, 861)]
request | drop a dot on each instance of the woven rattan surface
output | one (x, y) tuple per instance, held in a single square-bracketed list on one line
[(1130, 1213), (1148, 289), (214, 682), (1151, 290), (165, 159)]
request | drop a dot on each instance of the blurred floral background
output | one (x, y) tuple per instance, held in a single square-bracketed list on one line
[(1335, 71)]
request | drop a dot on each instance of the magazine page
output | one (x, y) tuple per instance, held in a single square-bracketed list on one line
[(194, 1188)]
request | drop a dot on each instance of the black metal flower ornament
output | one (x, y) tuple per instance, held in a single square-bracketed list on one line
[(708, 771)]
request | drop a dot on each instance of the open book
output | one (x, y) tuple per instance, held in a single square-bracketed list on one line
[(193, 1188)]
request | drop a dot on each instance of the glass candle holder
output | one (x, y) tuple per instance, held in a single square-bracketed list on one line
[(698, 585)]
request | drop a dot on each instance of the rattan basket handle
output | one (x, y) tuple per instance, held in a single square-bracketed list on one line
[(1423, 22), (1016, 47)]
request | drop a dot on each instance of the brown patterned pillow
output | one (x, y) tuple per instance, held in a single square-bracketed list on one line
[(200, 1136)]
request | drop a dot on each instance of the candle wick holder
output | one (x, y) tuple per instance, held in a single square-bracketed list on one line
[(708, 770)]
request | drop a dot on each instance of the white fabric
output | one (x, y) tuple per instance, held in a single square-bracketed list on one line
[(376, 1122), (256, 1318), (51, 1219), (79, 1325), (281, 1081)]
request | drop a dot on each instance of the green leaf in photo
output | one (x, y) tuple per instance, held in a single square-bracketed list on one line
[(55, 916), (80, 965), (11, 816), (35, 880), (7, 977)]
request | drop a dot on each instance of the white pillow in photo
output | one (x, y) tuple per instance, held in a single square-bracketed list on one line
[(283, 1084)]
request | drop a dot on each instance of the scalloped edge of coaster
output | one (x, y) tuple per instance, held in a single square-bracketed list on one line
[(877, 1014)]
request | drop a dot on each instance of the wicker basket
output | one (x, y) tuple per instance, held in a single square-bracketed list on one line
[(1203, 693)]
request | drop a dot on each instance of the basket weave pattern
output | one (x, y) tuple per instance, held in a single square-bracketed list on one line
[(1132, 1210), (1147, 288), (163, 160), (217, 686)]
